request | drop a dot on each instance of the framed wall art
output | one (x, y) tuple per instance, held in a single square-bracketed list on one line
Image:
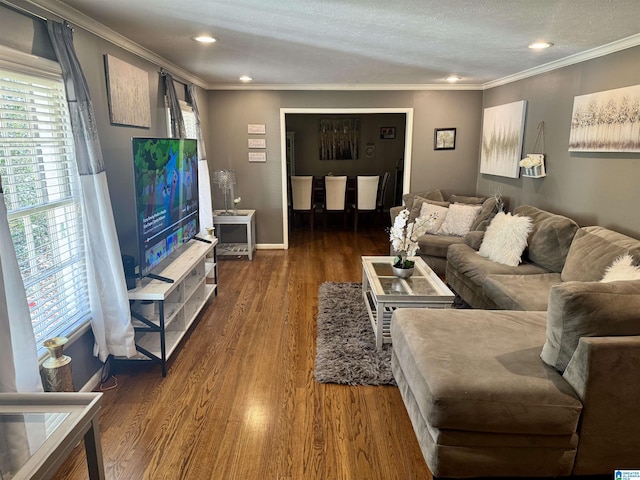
[(502, 134), (128, 92), (387, 133), (606, 121), (444, 139), (339, 138)]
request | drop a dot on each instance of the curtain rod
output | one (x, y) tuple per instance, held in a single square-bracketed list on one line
[(17, 6), (175, 79)]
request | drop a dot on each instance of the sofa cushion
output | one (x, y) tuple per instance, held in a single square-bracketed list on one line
[(407, 198), (459, 219), (488, 210), (593, 249), (506, 238), (521, 292), (588, 309), (466, 199), (550, 237), (475, 370), (436, 245), (468, 263)]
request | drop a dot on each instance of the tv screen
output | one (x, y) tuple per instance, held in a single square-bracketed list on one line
[(166, 192)]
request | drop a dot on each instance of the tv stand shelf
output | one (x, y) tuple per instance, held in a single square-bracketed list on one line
[(162, 312)]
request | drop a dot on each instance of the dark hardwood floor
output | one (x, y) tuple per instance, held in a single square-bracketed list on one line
[(240, 400)]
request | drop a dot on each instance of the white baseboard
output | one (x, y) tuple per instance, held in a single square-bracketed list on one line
[(270, 246), (93, 383)]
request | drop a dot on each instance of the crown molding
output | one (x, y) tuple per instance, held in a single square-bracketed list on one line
[(346, 86), (87, 23), (618, 45), (73, 16)]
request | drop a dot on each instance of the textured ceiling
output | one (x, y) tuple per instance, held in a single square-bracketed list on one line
[(364, 42)]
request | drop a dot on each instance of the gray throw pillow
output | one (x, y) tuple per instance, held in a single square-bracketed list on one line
[(436, 195), (588, 309)]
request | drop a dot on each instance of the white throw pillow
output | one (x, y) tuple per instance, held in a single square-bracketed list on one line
[(622, 268), (428, 209), (506, 238), (459, 219)]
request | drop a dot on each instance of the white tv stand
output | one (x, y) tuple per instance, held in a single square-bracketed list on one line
[(163, 312)]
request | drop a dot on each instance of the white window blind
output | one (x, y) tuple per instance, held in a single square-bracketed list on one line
[(189, 118), (41, 189)]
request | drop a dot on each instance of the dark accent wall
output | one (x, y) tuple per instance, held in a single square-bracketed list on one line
[(260, 184), (593, 188), (388, 153)]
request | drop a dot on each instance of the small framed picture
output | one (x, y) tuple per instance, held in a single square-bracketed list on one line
[(444, 139), (387, 133)]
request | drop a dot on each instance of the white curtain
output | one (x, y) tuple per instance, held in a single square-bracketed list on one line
[(19, 370), (204, 181), (111, 318)]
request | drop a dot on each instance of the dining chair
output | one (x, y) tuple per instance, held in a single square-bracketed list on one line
[(302, 196), (366, 196), (382, 194), (335, 191)]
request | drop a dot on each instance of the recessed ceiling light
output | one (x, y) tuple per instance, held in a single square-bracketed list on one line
[(204, 39), (540, 45), (453, 79), (245, 78)]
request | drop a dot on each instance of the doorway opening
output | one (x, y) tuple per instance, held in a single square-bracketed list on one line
[(384, 135)]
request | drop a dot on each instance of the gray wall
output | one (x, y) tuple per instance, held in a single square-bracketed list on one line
[(260, 184), (593, 188)]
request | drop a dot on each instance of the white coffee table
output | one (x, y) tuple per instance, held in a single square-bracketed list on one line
[(383, 292)]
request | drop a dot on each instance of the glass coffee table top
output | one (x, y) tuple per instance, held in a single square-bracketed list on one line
[(424, 283)]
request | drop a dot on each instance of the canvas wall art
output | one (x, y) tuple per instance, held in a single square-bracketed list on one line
[(128, 91), (606, 121), (502, 134), (339, 138)]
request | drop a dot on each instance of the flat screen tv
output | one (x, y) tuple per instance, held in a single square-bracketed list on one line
[(166, 192)]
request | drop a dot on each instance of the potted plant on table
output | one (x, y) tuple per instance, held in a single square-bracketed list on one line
[(404, 240)]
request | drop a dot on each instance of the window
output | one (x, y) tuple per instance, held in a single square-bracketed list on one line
[(41, 188), (188, 117)]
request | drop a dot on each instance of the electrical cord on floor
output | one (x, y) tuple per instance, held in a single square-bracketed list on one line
[(106, 377)]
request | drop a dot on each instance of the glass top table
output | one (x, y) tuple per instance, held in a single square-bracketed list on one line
[(383, 292), (39, 430)]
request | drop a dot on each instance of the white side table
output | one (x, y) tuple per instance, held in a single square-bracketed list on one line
[(242, 217)]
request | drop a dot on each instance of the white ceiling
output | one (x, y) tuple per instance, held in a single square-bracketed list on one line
[(363, 43)]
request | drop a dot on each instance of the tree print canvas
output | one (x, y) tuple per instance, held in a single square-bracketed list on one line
[(606, 121)]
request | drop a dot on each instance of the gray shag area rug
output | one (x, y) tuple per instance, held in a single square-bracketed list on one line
[(346, 350)]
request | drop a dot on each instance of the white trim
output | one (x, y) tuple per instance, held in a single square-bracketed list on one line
[(408, 141), (612, 47), (270, 246), (346, 86), (93, 383), (93, 26), (29, 64)]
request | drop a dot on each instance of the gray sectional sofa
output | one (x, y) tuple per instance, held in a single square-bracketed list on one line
[(544, 384), (433, 248)]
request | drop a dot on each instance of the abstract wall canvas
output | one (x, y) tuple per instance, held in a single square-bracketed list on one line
[(128, 89), (502, 133), (606, 121)]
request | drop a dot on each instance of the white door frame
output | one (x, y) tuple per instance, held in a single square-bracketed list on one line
[(408, 141)]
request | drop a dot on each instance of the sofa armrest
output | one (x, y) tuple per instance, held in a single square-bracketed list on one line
[(604, 373)]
